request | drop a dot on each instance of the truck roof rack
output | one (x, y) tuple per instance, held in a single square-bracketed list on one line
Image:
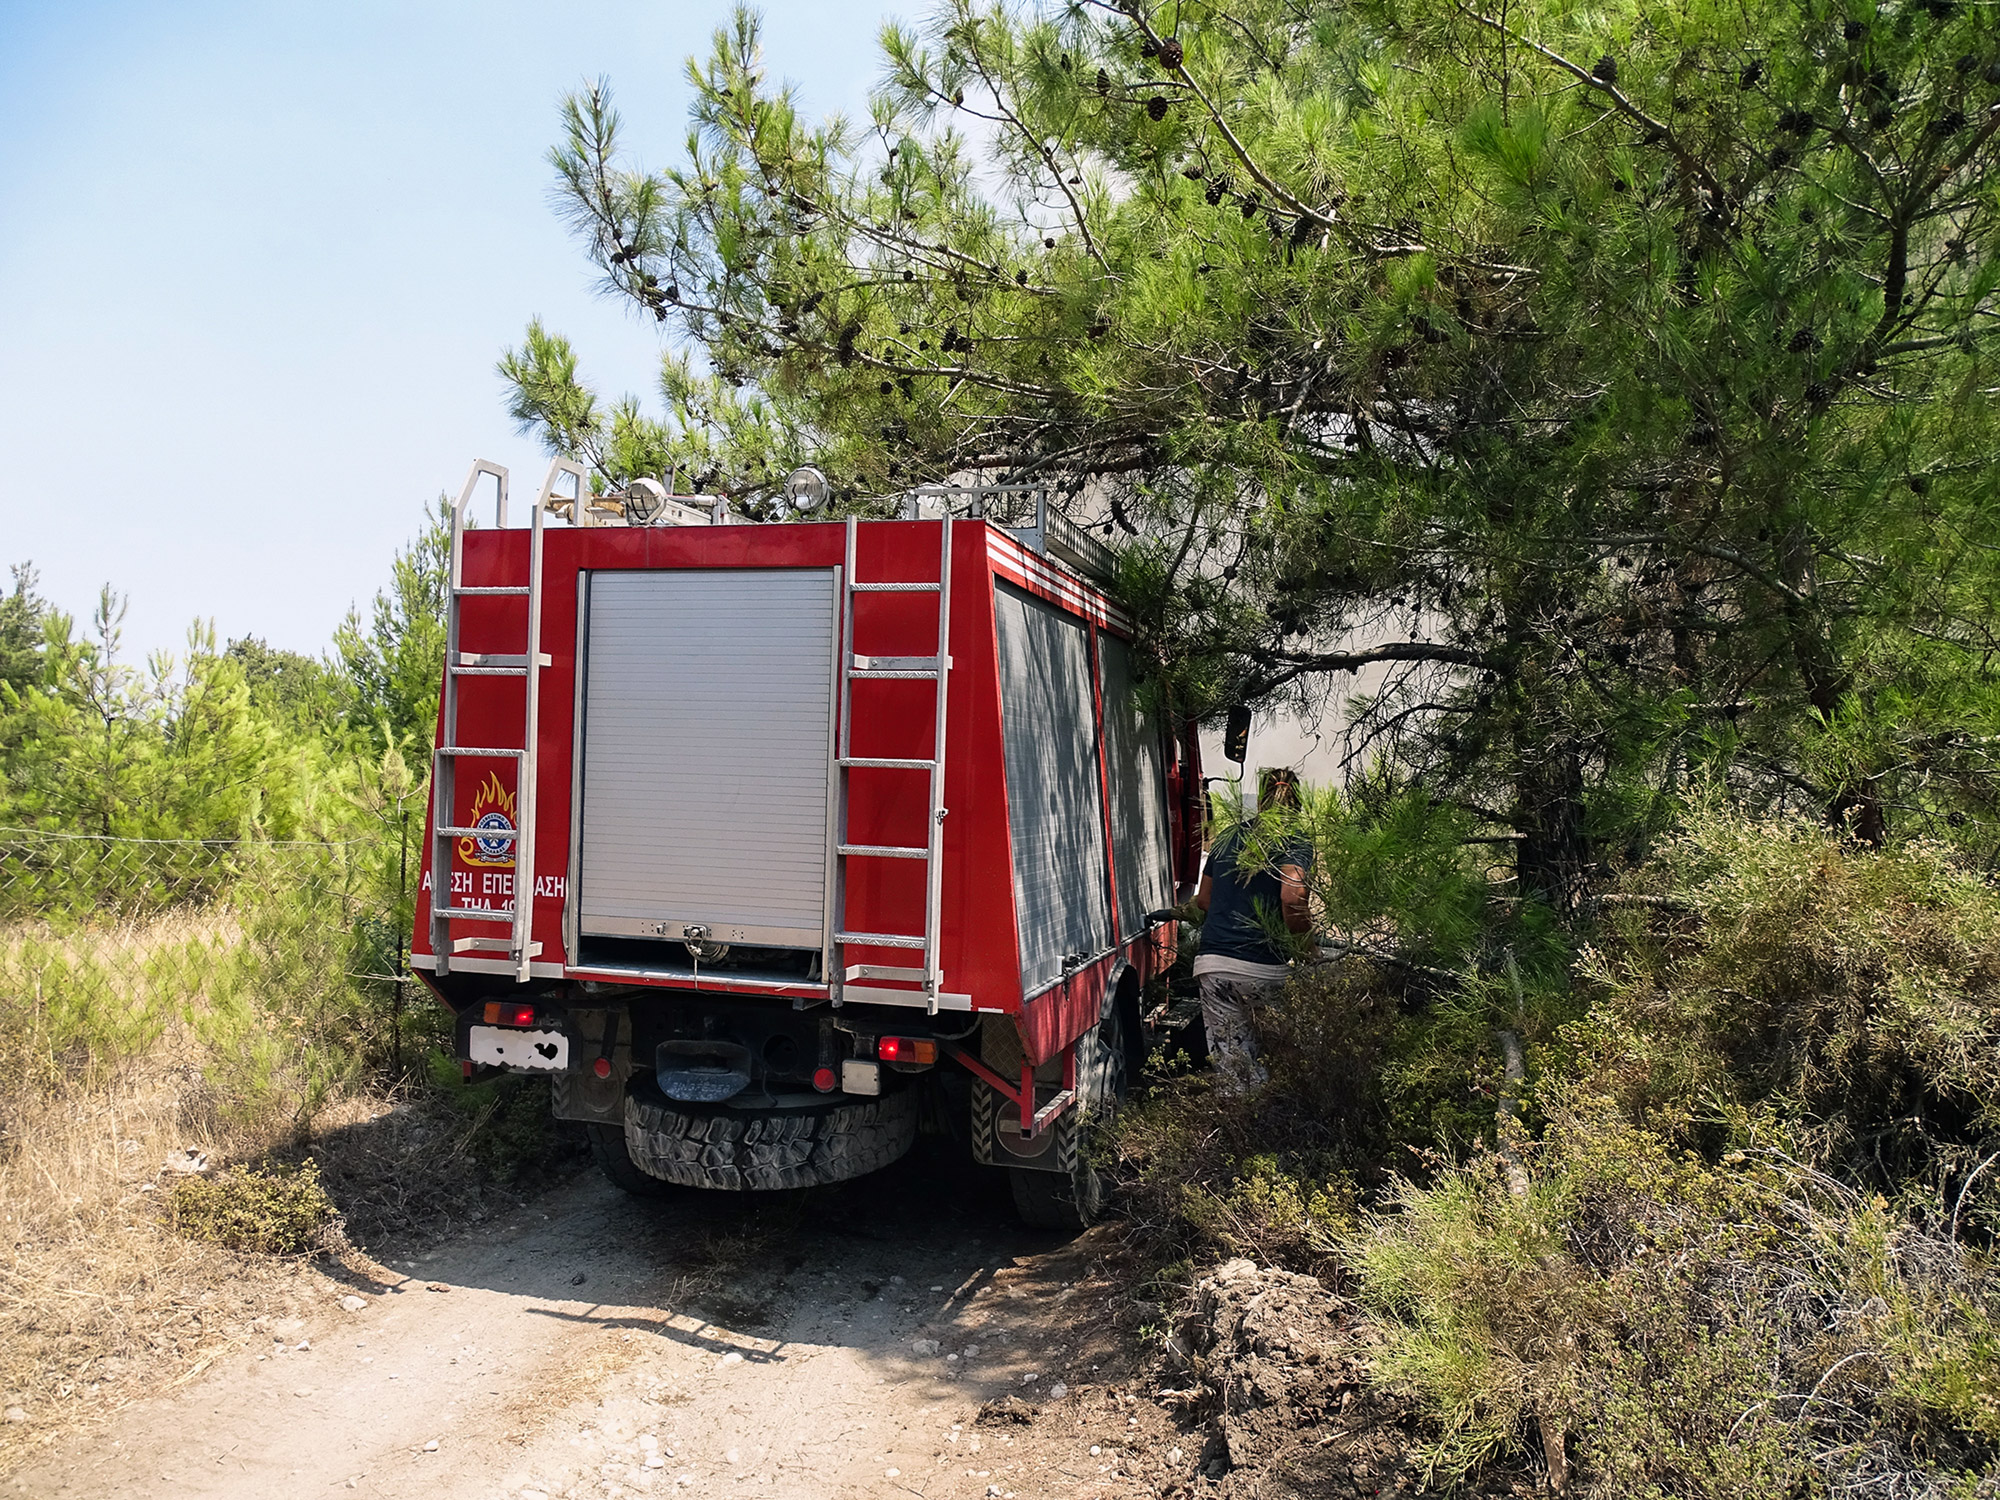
[(1024, 511)]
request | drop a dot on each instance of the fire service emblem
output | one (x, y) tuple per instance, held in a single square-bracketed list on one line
[(492, 807)]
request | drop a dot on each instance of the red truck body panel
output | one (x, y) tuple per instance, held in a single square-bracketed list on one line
[(980, 953)]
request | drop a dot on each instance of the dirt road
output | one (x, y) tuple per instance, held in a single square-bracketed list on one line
[(837, 1343)]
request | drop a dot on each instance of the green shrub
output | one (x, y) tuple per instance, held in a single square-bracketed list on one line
[(274, 1210), (1736, 1239), (1736, 1262), (1742, 1330), (1852, 994)]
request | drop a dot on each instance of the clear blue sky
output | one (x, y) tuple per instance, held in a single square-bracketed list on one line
[(257, 260)]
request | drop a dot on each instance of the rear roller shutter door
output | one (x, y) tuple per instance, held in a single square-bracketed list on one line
[(707, 738)]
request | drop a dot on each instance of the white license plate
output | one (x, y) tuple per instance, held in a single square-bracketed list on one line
[(537, 1051)]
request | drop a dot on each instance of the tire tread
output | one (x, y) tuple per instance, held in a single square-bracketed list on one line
[(764, 1153)]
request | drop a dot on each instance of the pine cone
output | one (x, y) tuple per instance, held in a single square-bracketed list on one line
[(1752, 72), (1156, 108), (1606, 70), (1854, 31), (1103, 82), (1170, 53)]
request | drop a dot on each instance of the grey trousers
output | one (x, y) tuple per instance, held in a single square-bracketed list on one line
[(1232, 1044)]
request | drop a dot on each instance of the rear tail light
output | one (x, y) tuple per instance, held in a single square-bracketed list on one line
[(906, 1049), (506, 1013)]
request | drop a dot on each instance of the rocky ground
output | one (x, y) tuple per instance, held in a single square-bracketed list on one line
[(897, 1335)]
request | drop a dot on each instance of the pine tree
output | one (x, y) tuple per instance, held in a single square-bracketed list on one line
[(1621, 377), (22, 613)]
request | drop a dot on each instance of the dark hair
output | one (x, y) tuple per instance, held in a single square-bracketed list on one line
[(1277, 784)]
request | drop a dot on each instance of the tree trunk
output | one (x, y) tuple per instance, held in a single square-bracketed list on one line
[(1554, 857), (1826, 679)]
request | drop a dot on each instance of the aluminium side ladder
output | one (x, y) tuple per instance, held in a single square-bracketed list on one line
[(518, 946), (859, 667)]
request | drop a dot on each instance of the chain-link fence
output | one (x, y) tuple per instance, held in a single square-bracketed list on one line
[(279, 964)]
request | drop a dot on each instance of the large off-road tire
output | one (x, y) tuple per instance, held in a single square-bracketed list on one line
[(1072, 1198), (715, 1147), (1069, 1200), (607, 1148)]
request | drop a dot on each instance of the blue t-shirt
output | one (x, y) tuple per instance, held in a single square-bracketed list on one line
[(1241, 901)]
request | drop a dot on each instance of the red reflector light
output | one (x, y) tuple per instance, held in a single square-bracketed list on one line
[(824, 1080), (906, 1049), (505, 1013), (602, 1067), (889, 1049)]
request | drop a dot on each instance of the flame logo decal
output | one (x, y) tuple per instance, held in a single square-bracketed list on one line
[(492, 807)]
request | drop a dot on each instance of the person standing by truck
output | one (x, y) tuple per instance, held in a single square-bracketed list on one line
[(1243, 960)]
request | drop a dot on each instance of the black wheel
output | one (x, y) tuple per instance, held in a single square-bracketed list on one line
[(1069, 1200), (1072, 1197), (607, 1147), (785, 1147)]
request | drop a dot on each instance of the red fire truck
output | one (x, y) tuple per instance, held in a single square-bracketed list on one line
[(747, 834)]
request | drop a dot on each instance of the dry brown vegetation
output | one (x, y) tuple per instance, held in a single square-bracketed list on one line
[(99, 1298), (227, 1042)]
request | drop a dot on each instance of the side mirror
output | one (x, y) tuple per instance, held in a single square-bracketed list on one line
[(1236, 734)]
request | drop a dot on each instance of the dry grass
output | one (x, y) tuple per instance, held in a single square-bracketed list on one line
[(232, 1032), (99, 1299), (123, 1044)]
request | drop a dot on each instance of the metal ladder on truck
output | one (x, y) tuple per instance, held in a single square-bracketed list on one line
[(518, 946), (857, 667)]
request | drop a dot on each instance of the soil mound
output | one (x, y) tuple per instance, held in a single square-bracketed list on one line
[(1278, 1365)]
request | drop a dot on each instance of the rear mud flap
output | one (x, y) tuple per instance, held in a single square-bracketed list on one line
[(580, 1094), (996, 1122)]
